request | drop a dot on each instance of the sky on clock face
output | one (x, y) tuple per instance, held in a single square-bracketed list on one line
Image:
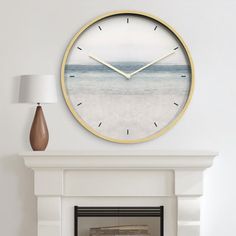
[(116, 39)]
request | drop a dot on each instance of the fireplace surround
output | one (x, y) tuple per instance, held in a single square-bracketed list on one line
[(172, 179)]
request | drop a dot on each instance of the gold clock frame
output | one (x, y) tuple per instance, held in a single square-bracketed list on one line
[(82, 122)]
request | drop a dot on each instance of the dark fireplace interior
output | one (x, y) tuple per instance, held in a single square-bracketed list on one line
[(118, 221)]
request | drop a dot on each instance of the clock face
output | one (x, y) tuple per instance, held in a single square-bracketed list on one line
[(127, 77)]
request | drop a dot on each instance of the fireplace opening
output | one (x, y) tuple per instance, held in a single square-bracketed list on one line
[(118, 221)]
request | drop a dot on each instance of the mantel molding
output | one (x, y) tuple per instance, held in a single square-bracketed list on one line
[(120, 159)]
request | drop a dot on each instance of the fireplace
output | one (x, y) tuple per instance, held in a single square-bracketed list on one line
[(119, 180), (115, 221)]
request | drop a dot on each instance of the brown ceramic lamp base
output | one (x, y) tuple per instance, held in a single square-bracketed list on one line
[(39, 132)]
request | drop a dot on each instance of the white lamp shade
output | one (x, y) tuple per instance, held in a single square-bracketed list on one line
[(38, 89)]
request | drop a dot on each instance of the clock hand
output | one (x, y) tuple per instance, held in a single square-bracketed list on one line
[(127, 76), (153, 62)]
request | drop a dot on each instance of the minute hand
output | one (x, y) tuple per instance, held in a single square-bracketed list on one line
[(153, 62)]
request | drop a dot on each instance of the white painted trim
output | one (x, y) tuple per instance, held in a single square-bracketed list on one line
[(120, 159), (189, 223), (61, 177)]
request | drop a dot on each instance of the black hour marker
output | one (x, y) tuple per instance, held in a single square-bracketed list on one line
[(176, 104), (127, 20), (79, 104), (155, 124), (100, 124), (99, 27), (79, 48), (155, 27), (127, 132), (72, 76), (176, 48), (183, 76)]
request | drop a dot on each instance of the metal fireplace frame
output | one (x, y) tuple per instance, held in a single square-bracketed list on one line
[(118, 212)]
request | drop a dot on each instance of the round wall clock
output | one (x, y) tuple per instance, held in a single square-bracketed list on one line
[(127, 77)]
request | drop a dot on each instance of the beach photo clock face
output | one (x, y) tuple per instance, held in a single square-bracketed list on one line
[(127, 77)]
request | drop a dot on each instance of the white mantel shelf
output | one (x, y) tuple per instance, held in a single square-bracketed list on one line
[(173, 179), (120, 159)]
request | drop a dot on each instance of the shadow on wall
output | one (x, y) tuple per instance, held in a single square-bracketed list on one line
[(17, 183)]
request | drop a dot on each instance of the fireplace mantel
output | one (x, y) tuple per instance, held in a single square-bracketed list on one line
[(171, 178), (120, 159)]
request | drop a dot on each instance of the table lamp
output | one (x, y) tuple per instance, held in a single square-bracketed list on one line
[(38, 89)]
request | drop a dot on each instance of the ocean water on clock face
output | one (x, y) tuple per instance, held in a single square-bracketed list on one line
[(142, 105)]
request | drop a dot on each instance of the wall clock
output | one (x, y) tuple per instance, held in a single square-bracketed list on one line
[(127, 77)]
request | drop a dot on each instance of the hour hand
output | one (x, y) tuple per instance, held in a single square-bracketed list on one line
[(127, 76)]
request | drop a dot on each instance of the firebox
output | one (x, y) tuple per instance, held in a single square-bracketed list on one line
[(118, 221)]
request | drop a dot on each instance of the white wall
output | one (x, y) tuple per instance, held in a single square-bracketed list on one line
[(34, 35)]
